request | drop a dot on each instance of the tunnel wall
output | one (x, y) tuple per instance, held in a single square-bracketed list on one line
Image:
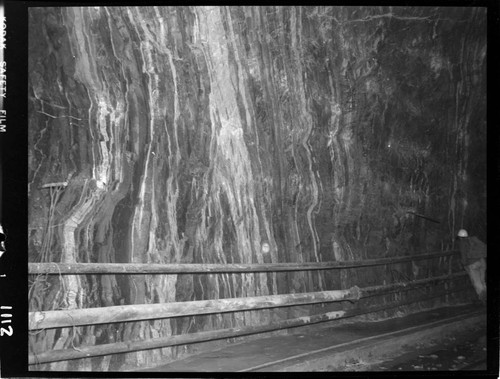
[(195, 134)]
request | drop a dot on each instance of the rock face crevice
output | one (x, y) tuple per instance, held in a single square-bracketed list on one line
[(196, 134)]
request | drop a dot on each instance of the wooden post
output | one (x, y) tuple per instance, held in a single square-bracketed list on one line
[(183, 339), (194, 268)]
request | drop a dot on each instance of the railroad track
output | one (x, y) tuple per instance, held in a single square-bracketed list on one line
[(364, 347)]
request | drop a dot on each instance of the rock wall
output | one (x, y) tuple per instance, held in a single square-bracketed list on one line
[(195, 134)]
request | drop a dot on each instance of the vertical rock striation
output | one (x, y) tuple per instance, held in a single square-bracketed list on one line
[(195, 134)]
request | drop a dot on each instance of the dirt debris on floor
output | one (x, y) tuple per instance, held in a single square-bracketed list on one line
[(451, 354)]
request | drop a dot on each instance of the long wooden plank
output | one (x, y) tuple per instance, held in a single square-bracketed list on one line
[(136, 312), (105, 315), (127, 347), (195, 268), (394, 287)]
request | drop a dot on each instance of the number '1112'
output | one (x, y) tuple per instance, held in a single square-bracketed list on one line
[(6, 319)]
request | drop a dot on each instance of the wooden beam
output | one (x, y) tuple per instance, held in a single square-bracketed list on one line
[(195, 268), (183, 339), (136, 312), (394, 287)]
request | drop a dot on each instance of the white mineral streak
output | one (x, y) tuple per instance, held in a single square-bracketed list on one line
[(333, 144), (233, 173), (160, 19), (463, 121), (85, 72), (118, 117), (90, 200), (337, 251), (306, 120), (69, 252), (116, 130), (296, 180), (85, 69), (145, 188), (174, 162), (163, 287), (242, 87), (165, 284)]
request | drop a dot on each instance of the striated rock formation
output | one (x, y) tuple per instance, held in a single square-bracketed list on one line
[(195, 134)]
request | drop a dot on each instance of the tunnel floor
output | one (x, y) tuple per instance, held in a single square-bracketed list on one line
[(467, 351), (449, 338)]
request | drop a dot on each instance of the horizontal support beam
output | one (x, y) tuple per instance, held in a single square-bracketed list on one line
[(395, 287), (183, 339), (137, 312), (197, 268)]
